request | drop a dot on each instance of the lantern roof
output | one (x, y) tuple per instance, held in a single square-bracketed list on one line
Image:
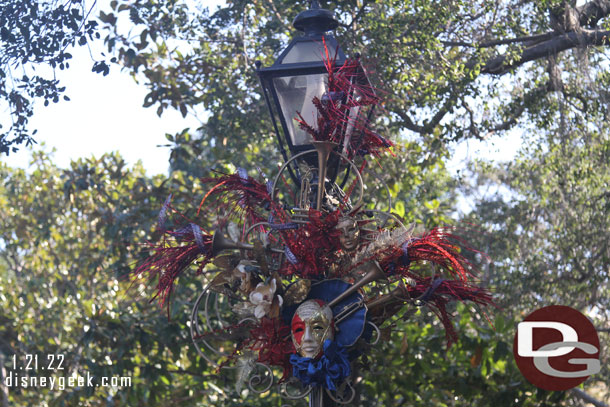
[(311, 49), (315, 20)]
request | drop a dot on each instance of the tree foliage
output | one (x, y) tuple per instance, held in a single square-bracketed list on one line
[(67, 243), (449, 70), (547, 219), (35, 39)]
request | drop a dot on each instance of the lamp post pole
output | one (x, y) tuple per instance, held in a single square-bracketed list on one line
[(296, 78)]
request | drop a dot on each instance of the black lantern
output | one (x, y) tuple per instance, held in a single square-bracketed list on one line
[(299, 75)]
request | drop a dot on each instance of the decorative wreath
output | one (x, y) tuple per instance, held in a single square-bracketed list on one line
[(305, 283)]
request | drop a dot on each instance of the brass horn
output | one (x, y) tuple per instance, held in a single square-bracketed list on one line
[(398, 294), (323, 148), (375, 273), (220, 243)]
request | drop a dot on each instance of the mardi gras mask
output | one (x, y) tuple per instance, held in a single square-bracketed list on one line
[(350, 233), (311, 326)]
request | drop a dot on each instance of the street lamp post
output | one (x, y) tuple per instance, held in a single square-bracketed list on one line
[(318, 271)]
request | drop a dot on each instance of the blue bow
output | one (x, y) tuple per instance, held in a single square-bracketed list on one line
[(328, 371)]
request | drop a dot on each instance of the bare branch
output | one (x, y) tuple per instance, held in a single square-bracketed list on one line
[(593, 11), (409, 123), (474, 130), (584, 396), (501, 65), (517, 111), (276, 12), (588, 15), (531, 39), (359, 14), (575, 95), (429, 125)]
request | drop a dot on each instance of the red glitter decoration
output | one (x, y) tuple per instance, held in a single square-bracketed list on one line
[(243, 194), (443, 293), (340, 109), (169, 261), (271, 339), (435, 246), (314, 245)]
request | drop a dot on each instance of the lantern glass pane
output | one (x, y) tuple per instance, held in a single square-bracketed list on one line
[(305, 51), (295, 94)]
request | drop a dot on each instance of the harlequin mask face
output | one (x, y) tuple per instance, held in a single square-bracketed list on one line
[(350, 234), (311, 326)]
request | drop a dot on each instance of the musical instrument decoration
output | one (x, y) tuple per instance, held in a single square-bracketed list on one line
[(309, 273)]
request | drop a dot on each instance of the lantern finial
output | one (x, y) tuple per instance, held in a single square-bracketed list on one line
[(316, 20), (313, 4)]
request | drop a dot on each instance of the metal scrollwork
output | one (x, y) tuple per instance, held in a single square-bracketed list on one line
[(209, 328), (345, 393), (377, 332), (294, 384), (355, 170), (260, 382)]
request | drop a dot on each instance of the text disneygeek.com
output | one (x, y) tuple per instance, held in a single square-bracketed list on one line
[(13, 380)]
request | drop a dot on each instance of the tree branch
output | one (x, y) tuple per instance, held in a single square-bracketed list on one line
[(590, 13), (538, 46), (501, 65), (532, 39), (429, 125), (275, 12), (409, 123), (516, 111), (359, 14), (584, 396)]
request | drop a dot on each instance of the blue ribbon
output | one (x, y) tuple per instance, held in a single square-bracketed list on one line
[(435, 284), (290, 256), (405, 251), (328, 371), (198, 238), (163, 213), (243, 174), (283, 226), (185, 231)]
